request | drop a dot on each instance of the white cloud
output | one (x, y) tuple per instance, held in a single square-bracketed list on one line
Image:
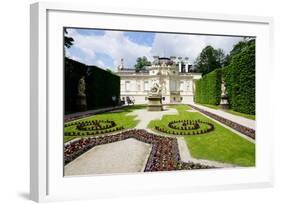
[(116, 45), (189, 45)]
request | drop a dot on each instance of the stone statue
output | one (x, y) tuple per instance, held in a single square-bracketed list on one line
[(223, 89), (155, 98), (156, 89), (224, 104), (81, 99), (81, 87)]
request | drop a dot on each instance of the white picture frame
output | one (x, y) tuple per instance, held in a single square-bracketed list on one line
[(46, 178)]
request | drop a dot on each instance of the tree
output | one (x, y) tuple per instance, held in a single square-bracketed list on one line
[(141, 63), (238, 48), (209, 59), (68, 41), (220, 55)]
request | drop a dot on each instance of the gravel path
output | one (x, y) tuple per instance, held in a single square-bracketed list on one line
[(238, 119), (146, 116), (125, 156)]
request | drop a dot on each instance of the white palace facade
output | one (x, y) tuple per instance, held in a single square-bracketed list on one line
[(172, 74)]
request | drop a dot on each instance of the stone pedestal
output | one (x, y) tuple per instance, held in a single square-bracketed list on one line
[(155, 103), (224, 103), (81, 103)]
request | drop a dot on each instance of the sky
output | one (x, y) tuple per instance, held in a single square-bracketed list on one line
[(105, 48)]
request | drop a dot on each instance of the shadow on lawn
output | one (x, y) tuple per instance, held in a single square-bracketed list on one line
[(128, 109)]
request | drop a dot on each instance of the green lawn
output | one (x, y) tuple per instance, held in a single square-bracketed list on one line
[(119, 117), (251, 117), (220, 145)]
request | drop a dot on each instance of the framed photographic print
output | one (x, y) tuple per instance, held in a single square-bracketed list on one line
[(127, 102)]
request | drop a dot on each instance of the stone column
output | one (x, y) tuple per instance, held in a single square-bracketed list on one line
[(180, 64), (186, 64)]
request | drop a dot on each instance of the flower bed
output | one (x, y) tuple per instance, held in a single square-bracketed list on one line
[(187, 127), (164, 155), (92, 127)]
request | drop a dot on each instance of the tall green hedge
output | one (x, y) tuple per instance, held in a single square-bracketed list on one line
[(208, 88), (101, 86), (240, 81), (73, 71)]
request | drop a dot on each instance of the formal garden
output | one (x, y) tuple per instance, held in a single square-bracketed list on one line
[(209, 140), (216, 129), (204, 138)]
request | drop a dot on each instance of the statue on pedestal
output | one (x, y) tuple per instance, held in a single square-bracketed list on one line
[(224, 97), (155, 98), (81, 87), (81, 96), (156, 90)]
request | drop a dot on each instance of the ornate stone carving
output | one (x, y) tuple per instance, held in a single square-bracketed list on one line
[(81, 87), (156, 89), (155, 98)]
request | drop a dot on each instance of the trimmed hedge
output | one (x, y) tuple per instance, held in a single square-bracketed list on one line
[(239, 78), (240, 81), (101, 86), (73, 71), (208, 88)]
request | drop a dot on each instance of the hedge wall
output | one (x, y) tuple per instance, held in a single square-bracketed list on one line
[(101, 85), (240, 81), (73, 71), (208, 88), (239, 77)]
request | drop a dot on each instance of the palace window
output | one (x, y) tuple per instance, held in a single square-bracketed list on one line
[(188, 86), (173, 85), (146, 86), (138, 86), (127, 85), (181, 86)]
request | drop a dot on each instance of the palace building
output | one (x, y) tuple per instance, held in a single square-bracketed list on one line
[(174, 75)]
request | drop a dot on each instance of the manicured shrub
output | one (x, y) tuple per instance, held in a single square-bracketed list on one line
[(101, 85), (208, 88), (240, 81), (239, 78)]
